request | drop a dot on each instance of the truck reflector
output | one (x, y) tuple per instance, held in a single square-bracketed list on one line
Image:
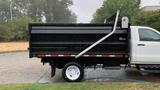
[(40, 55), (48, 55), (87, 55), (60, 55)]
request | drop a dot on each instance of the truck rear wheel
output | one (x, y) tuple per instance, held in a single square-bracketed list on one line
[(73, 72)]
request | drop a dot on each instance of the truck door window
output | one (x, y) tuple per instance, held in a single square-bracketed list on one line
[(148, 35)]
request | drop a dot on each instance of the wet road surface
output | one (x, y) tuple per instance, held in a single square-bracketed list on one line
[(17, 67)]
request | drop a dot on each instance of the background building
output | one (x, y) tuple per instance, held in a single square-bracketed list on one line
[(150, 8)]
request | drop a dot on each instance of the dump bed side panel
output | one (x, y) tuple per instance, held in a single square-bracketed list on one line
[(73, 38)]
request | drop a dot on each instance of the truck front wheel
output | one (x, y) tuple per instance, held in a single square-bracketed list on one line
[(73, 72)]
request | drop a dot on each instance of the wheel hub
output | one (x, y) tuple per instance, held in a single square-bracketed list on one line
[(72, 72)]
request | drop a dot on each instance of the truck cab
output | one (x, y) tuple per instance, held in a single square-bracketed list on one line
[(145, 45)]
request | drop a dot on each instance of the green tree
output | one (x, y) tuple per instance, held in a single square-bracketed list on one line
[(20, 28), (55, 11), (5, 34), (16, 30), (4, 11), (128, 8), (27, 11), (148, 18)]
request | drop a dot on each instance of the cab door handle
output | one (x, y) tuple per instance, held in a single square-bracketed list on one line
[(140, 44)]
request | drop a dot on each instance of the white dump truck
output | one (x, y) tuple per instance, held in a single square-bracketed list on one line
[(73, 47)]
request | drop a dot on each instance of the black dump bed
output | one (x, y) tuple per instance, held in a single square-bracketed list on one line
[(74, 38)]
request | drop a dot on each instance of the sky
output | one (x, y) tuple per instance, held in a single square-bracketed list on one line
[(84, 9)]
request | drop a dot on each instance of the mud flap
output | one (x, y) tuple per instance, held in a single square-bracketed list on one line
[(53, 70)]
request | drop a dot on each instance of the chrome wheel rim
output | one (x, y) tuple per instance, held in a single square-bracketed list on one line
[(72, 72)]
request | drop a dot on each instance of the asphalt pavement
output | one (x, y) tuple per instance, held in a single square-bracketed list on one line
[(17, 67)]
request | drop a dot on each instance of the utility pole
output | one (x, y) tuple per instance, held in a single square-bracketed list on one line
[(11, 11), (11, 14)]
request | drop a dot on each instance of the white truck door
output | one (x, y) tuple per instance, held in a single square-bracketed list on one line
[(147, 47)]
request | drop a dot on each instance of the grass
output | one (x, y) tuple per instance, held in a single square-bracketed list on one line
[(83, 86), (13, 46)]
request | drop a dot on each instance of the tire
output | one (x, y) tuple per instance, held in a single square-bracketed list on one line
[(73, 72)]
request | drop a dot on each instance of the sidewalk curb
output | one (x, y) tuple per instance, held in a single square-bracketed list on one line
[(13, 51)]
